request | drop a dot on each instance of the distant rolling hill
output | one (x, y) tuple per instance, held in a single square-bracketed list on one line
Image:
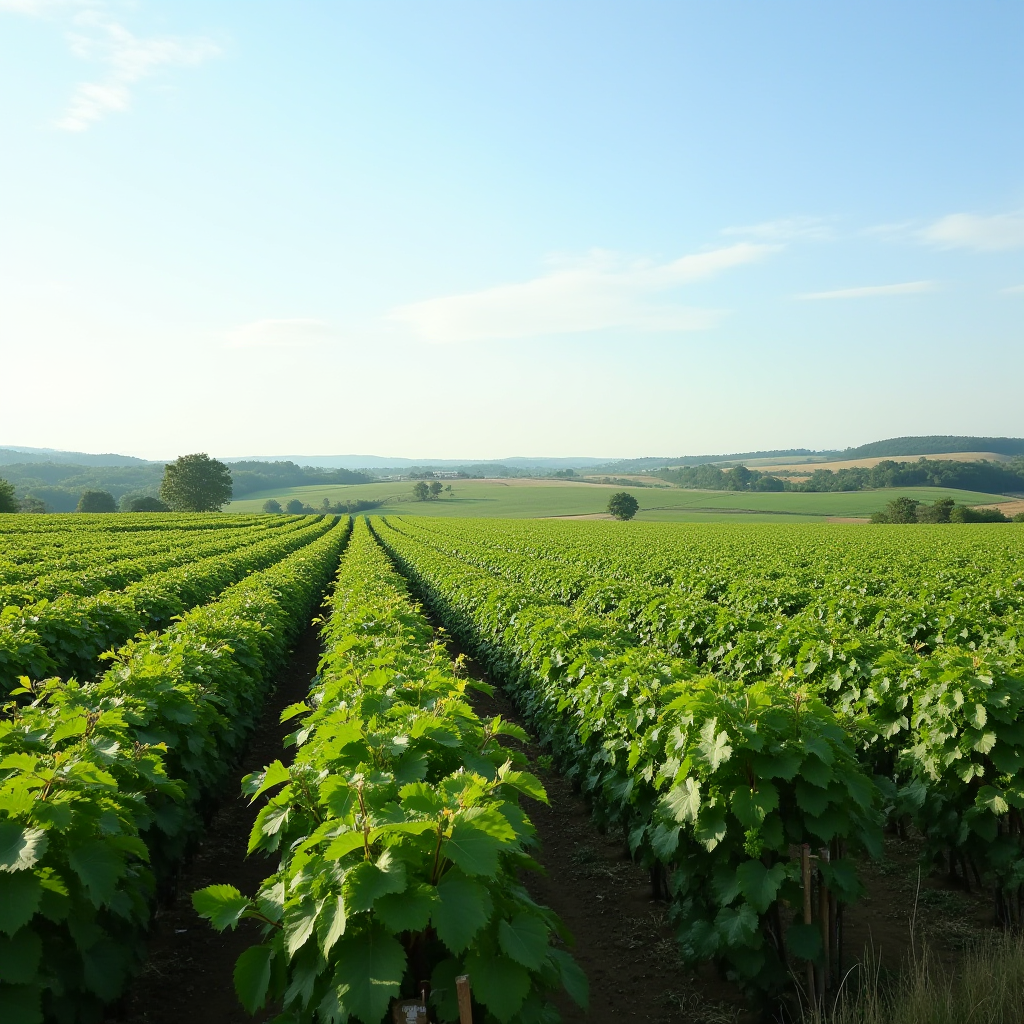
[(935, 444)]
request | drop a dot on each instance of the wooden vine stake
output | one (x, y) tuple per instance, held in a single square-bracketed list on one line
[(825, 921), (805, 872), (465, 999)]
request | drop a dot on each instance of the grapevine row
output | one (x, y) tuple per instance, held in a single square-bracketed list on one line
[(398, 834), (103, 783)]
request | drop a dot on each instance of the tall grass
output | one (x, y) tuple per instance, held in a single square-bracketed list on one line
[(987, 987)]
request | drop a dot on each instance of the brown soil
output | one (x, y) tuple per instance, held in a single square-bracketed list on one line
[(188, 972)]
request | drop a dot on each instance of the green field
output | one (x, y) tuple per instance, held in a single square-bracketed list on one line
[(535, 499)]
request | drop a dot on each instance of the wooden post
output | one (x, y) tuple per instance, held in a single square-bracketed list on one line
[(824, 919), (805, 871), (465, 999)]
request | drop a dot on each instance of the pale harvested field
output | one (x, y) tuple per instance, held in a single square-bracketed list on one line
[(1008, 508), (805, 469)]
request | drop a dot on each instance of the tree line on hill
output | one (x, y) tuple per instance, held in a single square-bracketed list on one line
[(192, 483), (992, 477), (63, 486), (297, 507)]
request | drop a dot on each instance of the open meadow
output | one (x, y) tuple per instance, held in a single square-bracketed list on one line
[(537, 499)]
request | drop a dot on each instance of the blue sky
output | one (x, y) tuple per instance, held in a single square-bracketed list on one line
[(522, 228)]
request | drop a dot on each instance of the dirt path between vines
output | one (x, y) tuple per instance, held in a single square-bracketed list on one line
[(623, 940), (187, 978)]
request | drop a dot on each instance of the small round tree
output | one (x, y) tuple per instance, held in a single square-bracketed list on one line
[(623, 505), (196, 483), (272, 505), (96, 501), (420, 491), (295, 507)]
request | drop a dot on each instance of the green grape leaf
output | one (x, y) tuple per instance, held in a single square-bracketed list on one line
[(758, 884), (710, 829), (499, 983), (330, 922), (816, 771), (474, 850), (407, 911), (365, 882), (682, 802), (574, 981), (752, 806), (19, 900), (299, 922), (525, 939), (737, 925), (665, 841), (369, 972), (464, 907), (99, 866), (272, 776), (20, 848), (714, 747), (252, 977), (221, 905)]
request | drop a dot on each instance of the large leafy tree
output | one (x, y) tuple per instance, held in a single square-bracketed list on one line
[(623, 505), (196, 483), (8, 503), (96, 501)]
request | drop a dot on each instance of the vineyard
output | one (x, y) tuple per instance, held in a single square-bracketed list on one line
[(751, 708)]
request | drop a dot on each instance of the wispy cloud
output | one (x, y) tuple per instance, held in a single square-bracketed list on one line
[(997, 232), (787, 229), (906, 288), (94, 35), (603, 290), (969, 231), (287, 334), (1017, 289)]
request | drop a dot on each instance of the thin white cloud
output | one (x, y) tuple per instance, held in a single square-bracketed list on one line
[(809, 228), (969, 231), (1017, 289), (282, 334), (127, 58), (906, 288), (601, 291)]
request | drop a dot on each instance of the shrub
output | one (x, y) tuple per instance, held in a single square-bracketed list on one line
[(272, 505), (147, 503), (966, 514)]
